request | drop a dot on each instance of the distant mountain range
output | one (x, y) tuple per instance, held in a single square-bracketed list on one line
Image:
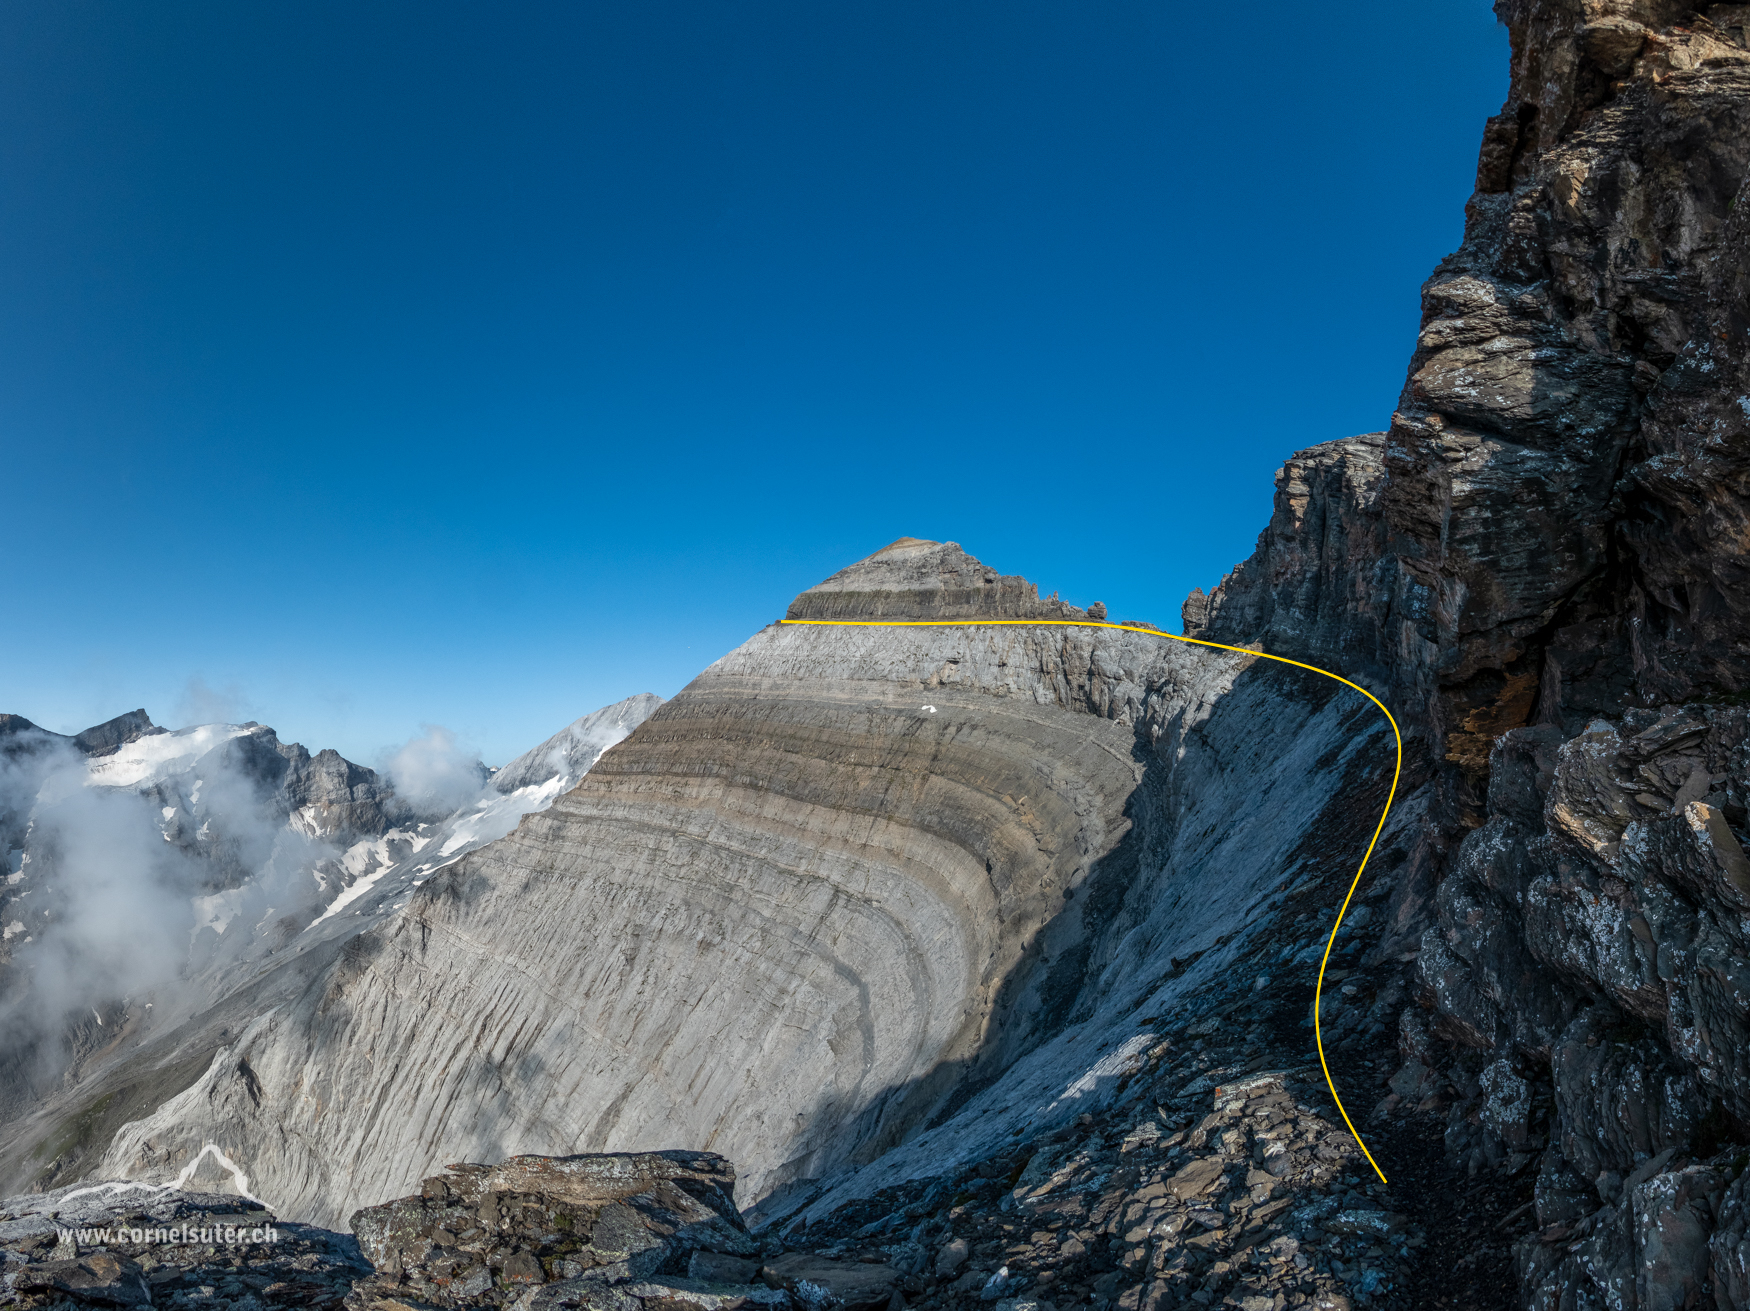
[(149, 871)]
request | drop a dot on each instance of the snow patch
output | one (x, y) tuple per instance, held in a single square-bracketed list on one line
[(159, 755)]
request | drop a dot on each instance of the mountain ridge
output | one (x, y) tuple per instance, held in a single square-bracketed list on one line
[(929, 842)]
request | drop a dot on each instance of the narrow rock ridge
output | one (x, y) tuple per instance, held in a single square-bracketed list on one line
[(574, 749)]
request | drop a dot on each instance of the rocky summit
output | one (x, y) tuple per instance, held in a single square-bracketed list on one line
[(962, 966)]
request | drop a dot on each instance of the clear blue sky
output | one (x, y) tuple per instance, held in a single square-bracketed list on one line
[(387, 363)]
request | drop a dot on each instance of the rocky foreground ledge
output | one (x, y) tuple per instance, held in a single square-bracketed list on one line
[(1212, 1177), (1237, 1191), (126, 1246), (1230, 1196)]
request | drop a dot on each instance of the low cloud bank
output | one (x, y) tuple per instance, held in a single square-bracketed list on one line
[(434, 773)]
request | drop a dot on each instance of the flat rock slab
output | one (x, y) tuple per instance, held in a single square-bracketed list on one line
[(100, 1278), (858, 1285), (1197, 1178)]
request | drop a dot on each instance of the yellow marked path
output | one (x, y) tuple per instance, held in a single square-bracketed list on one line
[(1397, 771)]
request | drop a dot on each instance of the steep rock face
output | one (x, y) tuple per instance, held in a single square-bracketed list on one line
[(1544, 560), (1314, 587), (1568, 448), (111, 736), (849, 884)]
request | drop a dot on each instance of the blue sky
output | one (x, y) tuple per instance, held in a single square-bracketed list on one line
[(371, 365)]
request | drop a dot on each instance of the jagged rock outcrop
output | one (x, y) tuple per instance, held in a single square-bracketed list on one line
[(614, 1231), (1204, 1180), (1565, 462), (1543, 558), (112, 735)]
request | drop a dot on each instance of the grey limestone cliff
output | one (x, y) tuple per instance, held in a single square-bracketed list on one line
[(1543, 558), (854, 905)]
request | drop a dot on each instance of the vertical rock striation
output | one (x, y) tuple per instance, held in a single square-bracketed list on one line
[(1544, 557)]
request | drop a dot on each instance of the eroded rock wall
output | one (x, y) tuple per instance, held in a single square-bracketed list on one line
[(1544, 560)]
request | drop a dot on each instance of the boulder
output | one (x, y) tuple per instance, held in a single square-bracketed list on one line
[(1196, 1178), (99, 1280), (596, 1220), (815, 1281)]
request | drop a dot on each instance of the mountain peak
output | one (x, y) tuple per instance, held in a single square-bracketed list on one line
[(112, 735), (913, 578)]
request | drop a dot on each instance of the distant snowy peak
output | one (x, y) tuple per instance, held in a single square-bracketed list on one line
[(224, 845), (107, 738), (154, 756), (18, 734), (570, 752)]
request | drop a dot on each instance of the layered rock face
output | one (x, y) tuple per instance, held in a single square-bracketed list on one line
[(915, 579), (857, 904), (1544, 558)]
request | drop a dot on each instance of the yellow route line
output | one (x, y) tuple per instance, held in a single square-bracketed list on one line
[(1397, 772)]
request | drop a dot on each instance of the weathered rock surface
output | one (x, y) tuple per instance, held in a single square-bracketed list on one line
[(132, 1247), (613, 1230), (852, 890), (1203, 1185), (1544, 559), (915, 579)]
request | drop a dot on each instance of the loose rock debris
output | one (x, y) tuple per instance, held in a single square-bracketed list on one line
[(139, 1248), (1237, 1194)]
